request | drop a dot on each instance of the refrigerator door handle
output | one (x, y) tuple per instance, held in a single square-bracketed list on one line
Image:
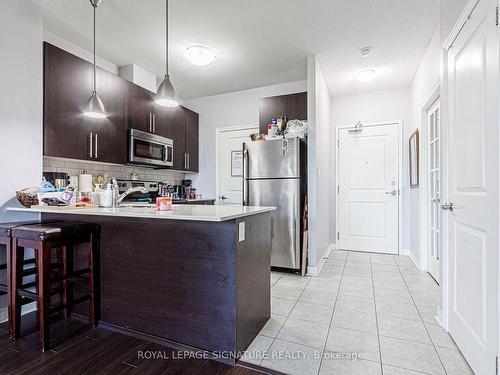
[(245, 179)]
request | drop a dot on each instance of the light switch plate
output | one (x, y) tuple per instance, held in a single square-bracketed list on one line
[(241, 231)]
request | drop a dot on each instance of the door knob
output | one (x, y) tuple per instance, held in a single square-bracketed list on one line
[(392, 192), (223, 197), (447, 206)]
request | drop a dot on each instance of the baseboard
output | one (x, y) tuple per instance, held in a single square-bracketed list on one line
[(315, 270), (26, 309)]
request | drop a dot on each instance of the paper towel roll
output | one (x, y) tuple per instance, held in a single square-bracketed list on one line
[(85, 183)]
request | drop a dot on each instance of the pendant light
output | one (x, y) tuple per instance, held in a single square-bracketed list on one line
[(166, 95), (95, 108)]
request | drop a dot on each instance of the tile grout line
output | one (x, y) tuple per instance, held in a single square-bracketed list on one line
[(286, 318), (333, 311), (422, 320), (376, 318)]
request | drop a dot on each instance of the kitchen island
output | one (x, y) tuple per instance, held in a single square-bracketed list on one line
[(196, 276)]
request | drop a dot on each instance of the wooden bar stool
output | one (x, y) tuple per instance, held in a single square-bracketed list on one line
[(6, 241), (43, 238)]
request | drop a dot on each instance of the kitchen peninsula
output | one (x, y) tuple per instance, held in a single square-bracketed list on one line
[(196, 275)]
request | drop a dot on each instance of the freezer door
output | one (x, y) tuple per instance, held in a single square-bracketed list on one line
[(284, 194), (272, 159)]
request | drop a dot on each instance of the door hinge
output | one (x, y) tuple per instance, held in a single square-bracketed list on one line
[(338, 189), (496, 364), (338, 236), (496, 16)]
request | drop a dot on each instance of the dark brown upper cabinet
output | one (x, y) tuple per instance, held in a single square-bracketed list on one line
[(192, 140), (171, 123), (140, 108), (293, 106), (67, 132)]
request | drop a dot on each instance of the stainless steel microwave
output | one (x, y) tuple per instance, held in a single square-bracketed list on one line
[(150, 149)]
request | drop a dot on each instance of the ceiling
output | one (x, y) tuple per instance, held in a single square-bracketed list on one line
[(260, 42)]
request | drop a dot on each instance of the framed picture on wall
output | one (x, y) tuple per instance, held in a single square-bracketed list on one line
[(414, 159)]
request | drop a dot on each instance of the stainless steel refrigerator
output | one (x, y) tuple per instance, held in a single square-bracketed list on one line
[(274, 174)]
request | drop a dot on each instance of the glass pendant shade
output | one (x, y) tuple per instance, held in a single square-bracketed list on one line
[(95, 108), (166, 96)]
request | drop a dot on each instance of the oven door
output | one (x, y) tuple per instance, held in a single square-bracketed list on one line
[(150, 149)]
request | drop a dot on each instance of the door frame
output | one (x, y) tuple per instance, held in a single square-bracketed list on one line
[(424, 169), (218, 132), (399, 124)]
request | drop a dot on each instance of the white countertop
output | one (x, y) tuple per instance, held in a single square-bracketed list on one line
[(179, 212)]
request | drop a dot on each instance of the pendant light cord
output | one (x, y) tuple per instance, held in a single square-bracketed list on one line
[(166, 38), (94, 6)]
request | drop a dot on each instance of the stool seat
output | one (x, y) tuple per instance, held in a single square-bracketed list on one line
[(6, 228), (46, 231)]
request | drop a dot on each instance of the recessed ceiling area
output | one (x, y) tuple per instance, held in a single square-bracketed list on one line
[(258, 42)]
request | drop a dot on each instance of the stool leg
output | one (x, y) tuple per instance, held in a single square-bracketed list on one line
[(92, 304), (44, 294), (67, 260), (17, 281), (8, 250)]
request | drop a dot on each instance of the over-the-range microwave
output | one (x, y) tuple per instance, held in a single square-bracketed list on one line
[(150, 149)]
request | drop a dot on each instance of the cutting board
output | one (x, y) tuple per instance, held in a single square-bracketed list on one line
[(76, 206)]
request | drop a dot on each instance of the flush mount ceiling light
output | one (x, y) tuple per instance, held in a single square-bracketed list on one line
[(200, 55), (95, 108), (166, 95), (366, 75), (365, 51)]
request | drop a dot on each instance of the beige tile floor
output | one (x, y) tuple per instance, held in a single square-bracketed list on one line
[(380, 306)]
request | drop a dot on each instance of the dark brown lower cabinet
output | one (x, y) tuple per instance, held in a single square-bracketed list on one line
[(188, 282)]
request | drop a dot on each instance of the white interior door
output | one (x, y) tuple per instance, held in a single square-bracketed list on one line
[(368, 189), (230, 163), (472, 74), (434, 212)]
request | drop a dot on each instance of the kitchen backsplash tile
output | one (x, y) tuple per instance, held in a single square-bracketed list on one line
[(75, 167)]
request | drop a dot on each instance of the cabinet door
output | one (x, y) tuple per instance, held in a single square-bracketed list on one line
[(170, 123), (140, 107), (270, 108), (295, 106), (111, 132), (192, 139), (67, 88)]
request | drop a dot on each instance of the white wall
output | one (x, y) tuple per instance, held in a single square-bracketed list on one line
[(378, 106), (233, 109), (425, 82), (320, 165), (20, 105)]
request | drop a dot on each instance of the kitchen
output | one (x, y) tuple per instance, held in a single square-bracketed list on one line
[(182, 154)]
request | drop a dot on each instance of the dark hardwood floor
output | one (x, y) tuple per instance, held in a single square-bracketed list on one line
[(78, 349)]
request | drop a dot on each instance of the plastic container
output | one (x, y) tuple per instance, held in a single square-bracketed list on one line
[(164, 204)]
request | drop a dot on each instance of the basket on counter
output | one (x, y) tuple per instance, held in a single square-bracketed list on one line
[(27, 199)]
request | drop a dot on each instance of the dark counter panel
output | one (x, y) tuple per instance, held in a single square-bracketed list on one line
[(185, 281)]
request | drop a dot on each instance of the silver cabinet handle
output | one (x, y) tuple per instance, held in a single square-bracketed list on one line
[(154, 123), (95, 145), (150, 123), (188, 161), (447, 206), (185, 161), (91, 148)]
